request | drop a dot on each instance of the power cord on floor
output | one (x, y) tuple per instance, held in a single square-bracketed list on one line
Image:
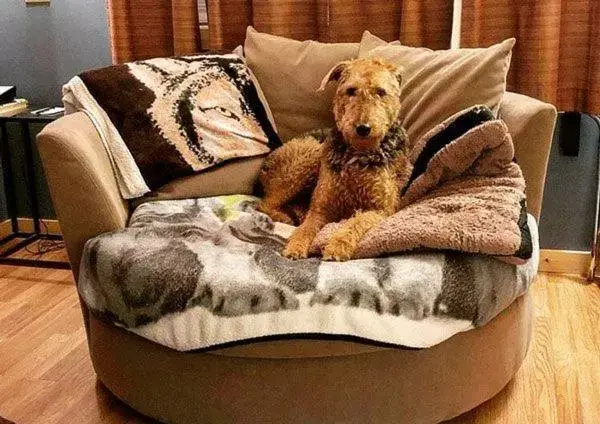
[(45, 244)]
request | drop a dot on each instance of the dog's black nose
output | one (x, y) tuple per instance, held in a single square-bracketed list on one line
[(363, 130)]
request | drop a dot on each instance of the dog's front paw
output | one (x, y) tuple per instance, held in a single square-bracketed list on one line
[(339, 248), (296, 249)]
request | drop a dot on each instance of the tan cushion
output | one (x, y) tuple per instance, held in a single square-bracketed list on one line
[(531, 125), (289, 73), (233, 177), (437, 84), (239, 51)]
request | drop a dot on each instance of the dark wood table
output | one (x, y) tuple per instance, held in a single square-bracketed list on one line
[(24, 119)]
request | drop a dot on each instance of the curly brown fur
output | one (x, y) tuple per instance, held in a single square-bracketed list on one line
[(288, 177), (358, 171)]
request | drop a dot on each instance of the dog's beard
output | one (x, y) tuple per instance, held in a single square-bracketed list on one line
[(343, 154)]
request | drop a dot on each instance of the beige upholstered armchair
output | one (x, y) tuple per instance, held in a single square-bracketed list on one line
[(285, 380)]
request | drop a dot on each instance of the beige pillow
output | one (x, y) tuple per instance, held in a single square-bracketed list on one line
[(289, 73), (370, 41), (437, 84), (239, 51)]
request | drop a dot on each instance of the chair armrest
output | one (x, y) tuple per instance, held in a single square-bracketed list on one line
[(531, 125), (81, 181)]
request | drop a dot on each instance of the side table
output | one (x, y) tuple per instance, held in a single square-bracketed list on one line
[(24, 119)]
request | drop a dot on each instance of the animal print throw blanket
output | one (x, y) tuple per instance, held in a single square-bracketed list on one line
[(466, 193), (205, 273), (165, 118)]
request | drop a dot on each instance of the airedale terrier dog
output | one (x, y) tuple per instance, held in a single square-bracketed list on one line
[(356, 169)]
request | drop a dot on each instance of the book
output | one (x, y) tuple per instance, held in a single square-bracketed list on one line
[(7, 94), (13, 108)]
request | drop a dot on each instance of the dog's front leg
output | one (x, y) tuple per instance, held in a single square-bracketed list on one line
[(299, 243), (342, 244)]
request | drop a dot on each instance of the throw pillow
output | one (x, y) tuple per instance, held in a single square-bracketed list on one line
[(437, 84)]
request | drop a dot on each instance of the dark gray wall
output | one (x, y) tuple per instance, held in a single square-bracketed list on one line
[(567, 218), (41, 48)]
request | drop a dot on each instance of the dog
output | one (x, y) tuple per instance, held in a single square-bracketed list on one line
[(356, 169)]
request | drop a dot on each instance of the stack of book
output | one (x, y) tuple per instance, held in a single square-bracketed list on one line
[(13, 108), (10, 106)]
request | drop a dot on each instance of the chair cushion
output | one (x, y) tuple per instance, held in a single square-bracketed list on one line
[(208, 273), (290, 72), (235, 176), (437, 84)]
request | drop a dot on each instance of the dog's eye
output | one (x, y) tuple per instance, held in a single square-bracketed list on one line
[(381, 92), (351, 91)]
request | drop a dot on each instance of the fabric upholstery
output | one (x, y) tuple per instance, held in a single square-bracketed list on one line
[(556, 57), (233, 177), (82, 183), (289, 73), (415, 22), (313, 381), (173, 25), (531, 124), (437, 84)]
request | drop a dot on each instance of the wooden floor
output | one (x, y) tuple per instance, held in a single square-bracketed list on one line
[(46, 375)]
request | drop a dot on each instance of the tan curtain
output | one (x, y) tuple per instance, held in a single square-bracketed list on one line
[(415, 22), (141, 29), (557, 55)]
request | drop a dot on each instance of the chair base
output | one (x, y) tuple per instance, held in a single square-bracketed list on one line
[(358, 386)]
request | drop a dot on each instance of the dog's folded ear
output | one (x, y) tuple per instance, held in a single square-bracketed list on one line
[(334, 74), (398, 71)]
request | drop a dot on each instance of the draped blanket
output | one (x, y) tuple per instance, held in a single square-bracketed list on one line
[(165, 118), (203, 273), (466, 193)]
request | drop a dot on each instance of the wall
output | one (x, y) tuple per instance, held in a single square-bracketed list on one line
[(44, 46), (567, 218), (41, 48)]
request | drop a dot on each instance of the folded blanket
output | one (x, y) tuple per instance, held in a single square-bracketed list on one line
[(466, 193), (194, 274), (165, 118)]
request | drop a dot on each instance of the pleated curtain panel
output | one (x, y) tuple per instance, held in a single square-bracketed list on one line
[(557, 54), (142, 29), (416, 22), (556, 58)]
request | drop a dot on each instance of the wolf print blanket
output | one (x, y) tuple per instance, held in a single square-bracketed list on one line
[(161, 119), (466, 193), (196, 274)]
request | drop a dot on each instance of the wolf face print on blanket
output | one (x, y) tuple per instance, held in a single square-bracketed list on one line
[(192, 274), (165, 118)]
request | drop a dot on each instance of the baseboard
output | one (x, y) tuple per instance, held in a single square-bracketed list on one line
[(565, 261), (25, 225), (5, 228)]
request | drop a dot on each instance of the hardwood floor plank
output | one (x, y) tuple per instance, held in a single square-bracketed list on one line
[(46, 375)]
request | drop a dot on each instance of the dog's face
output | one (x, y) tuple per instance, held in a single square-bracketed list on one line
[(367, 100)]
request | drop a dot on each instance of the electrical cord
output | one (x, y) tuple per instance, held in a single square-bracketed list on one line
[(45, 244)]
